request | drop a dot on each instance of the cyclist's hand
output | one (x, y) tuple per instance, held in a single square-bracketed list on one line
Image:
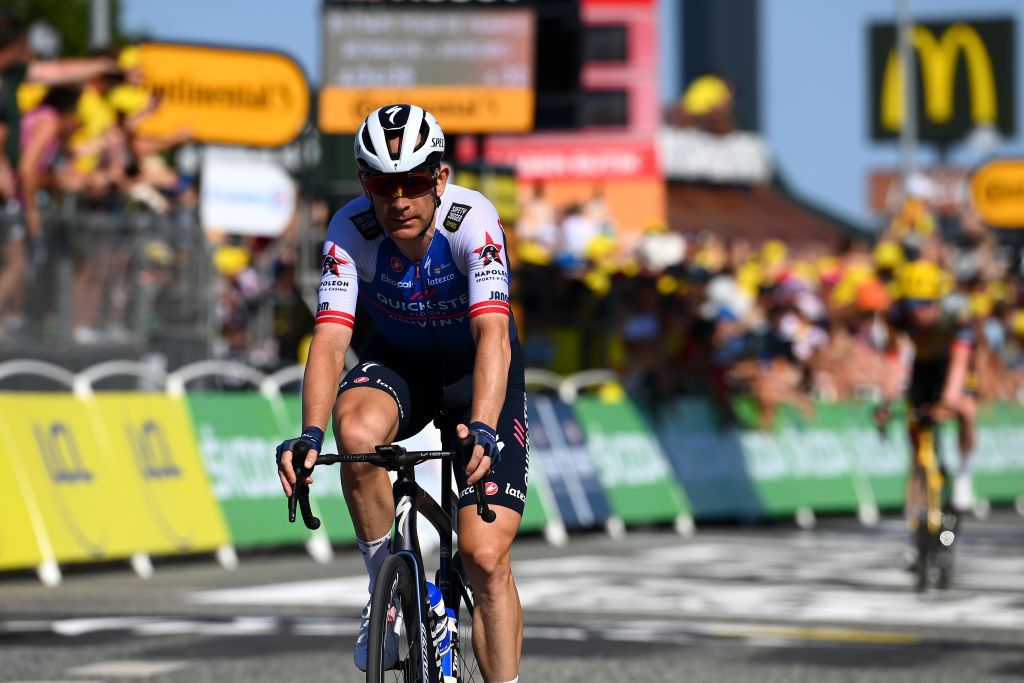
[(485, 454), (882, 415), (285, 470), (943, 411)]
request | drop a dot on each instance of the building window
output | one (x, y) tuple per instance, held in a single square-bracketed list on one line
[(606, 43), (605, 108)]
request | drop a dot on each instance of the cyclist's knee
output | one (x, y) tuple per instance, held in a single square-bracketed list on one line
[(359, 426), (489, 566)]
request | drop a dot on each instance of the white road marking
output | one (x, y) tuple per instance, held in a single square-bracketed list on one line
[(803, 578), (128, 668)]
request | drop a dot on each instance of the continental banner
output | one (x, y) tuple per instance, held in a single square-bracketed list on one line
[(557, 441), (634, 471), (243, 97), (462, 109), (237, 435), (151, 435)]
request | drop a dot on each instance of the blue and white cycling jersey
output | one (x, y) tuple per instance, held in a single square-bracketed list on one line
[(423, 307)]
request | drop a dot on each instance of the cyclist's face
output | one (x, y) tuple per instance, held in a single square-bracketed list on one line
[(404, 202), (925, 314)]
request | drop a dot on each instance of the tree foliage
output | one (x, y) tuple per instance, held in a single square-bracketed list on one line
[(69, 18)]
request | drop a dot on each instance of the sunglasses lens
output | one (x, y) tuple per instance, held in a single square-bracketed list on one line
[(409, 185)]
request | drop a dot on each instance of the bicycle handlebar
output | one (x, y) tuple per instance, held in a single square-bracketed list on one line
[(390, 457)]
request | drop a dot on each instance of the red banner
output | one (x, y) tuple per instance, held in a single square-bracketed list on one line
[(578, 157)]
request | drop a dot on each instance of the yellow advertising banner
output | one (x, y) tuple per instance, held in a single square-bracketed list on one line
[(997, 189), (224, 95), (66, 479), (459, 109), (158, 454), (22, 534)]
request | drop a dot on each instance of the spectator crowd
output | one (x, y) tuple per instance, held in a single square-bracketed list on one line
[(782, 323)]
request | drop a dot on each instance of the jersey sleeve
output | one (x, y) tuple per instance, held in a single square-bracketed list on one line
[(339, 286), (339, 272), (484, 257)]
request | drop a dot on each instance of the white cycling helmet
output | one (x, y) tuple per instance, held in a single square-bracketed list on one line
[(422, 142)]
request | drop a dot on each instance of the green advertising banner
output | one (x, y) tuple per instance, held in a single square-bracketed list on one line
[(237, 434), (834, 460), (632, 467)]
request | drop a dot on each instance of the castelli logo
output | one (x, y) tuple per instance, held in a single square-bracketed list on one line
[(360, 380), (396, 264), (490, 488)]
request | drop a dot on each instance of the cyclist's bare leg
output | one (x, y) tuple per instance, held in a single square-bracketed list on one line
[(498, 616), (363, 419), (967, 417), (917, 497)]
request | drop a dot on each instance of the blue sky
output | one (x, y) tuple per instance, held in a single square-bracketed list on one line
[(289, 26)]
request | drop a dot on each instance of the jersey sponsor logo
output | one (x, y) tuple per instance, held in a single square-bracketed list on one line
[(323, 307), (456, 214), (515, 493), (490, 488), (490, 252), (333, 262), (396, 264), (334, 285), (367, 225), (433, 282), (491, 275), (499, 296), (401, 284), (361, 380)]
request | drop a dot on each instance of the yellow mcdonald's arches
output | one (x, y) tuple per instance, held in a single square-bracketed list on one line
[(160, 458), (224, 95), (938, 58)]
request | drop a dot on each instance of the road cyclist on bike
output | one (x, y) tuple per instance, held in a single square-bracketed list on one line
[(427, 258), (930, 353)]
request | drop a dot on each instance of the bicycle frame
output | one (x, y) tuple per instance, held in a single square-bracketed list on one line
[(927, 459)]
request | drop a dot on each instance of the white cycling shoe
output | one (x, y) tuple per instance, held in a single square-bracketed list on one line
[(963, 493), (361, 655)]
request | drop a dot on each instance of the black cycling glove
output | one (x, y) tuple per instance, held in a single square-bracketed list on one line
[(488, 438)]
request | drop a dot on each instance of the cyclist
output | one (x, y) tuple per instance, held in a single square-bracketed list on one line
[(933, 350), (428, 260)]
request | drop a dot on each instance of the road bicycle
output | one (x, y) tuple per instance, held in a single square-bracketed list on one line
[(400, 600), (937, 531)]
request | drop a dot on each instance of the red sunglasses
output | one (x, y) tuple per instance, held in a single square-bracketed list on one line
[(404, 185)]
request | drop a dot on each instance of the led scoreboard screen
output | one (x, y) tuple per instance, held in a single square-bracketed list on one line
[(472, 67)]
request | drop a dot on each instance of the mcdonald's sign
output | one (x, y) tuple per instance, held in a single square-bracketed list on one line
[(965, 78)]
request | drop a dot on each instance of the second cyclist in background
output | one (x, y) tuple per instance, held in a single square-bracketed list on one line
[(930, 356)]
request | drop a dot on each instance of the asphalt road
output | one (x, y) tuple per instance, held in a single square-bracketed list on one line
[(730, 604)]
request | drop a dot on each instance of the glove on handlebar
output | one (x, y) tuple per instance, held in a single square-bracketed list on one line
[(487, 437), (311, 436)]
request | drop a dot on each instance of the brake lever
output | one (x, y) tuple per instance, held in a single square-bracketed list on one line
[(466, 447), (300, 492)]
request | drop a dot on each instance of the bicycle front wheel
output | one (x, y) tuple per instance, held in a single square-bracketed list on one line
[(464, 662), (395, 645)]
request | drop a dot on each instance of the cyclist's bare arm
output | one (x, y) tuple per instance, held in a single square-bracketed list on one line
[(956, 376), (319, 386), (897, 358), (490, 379)]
